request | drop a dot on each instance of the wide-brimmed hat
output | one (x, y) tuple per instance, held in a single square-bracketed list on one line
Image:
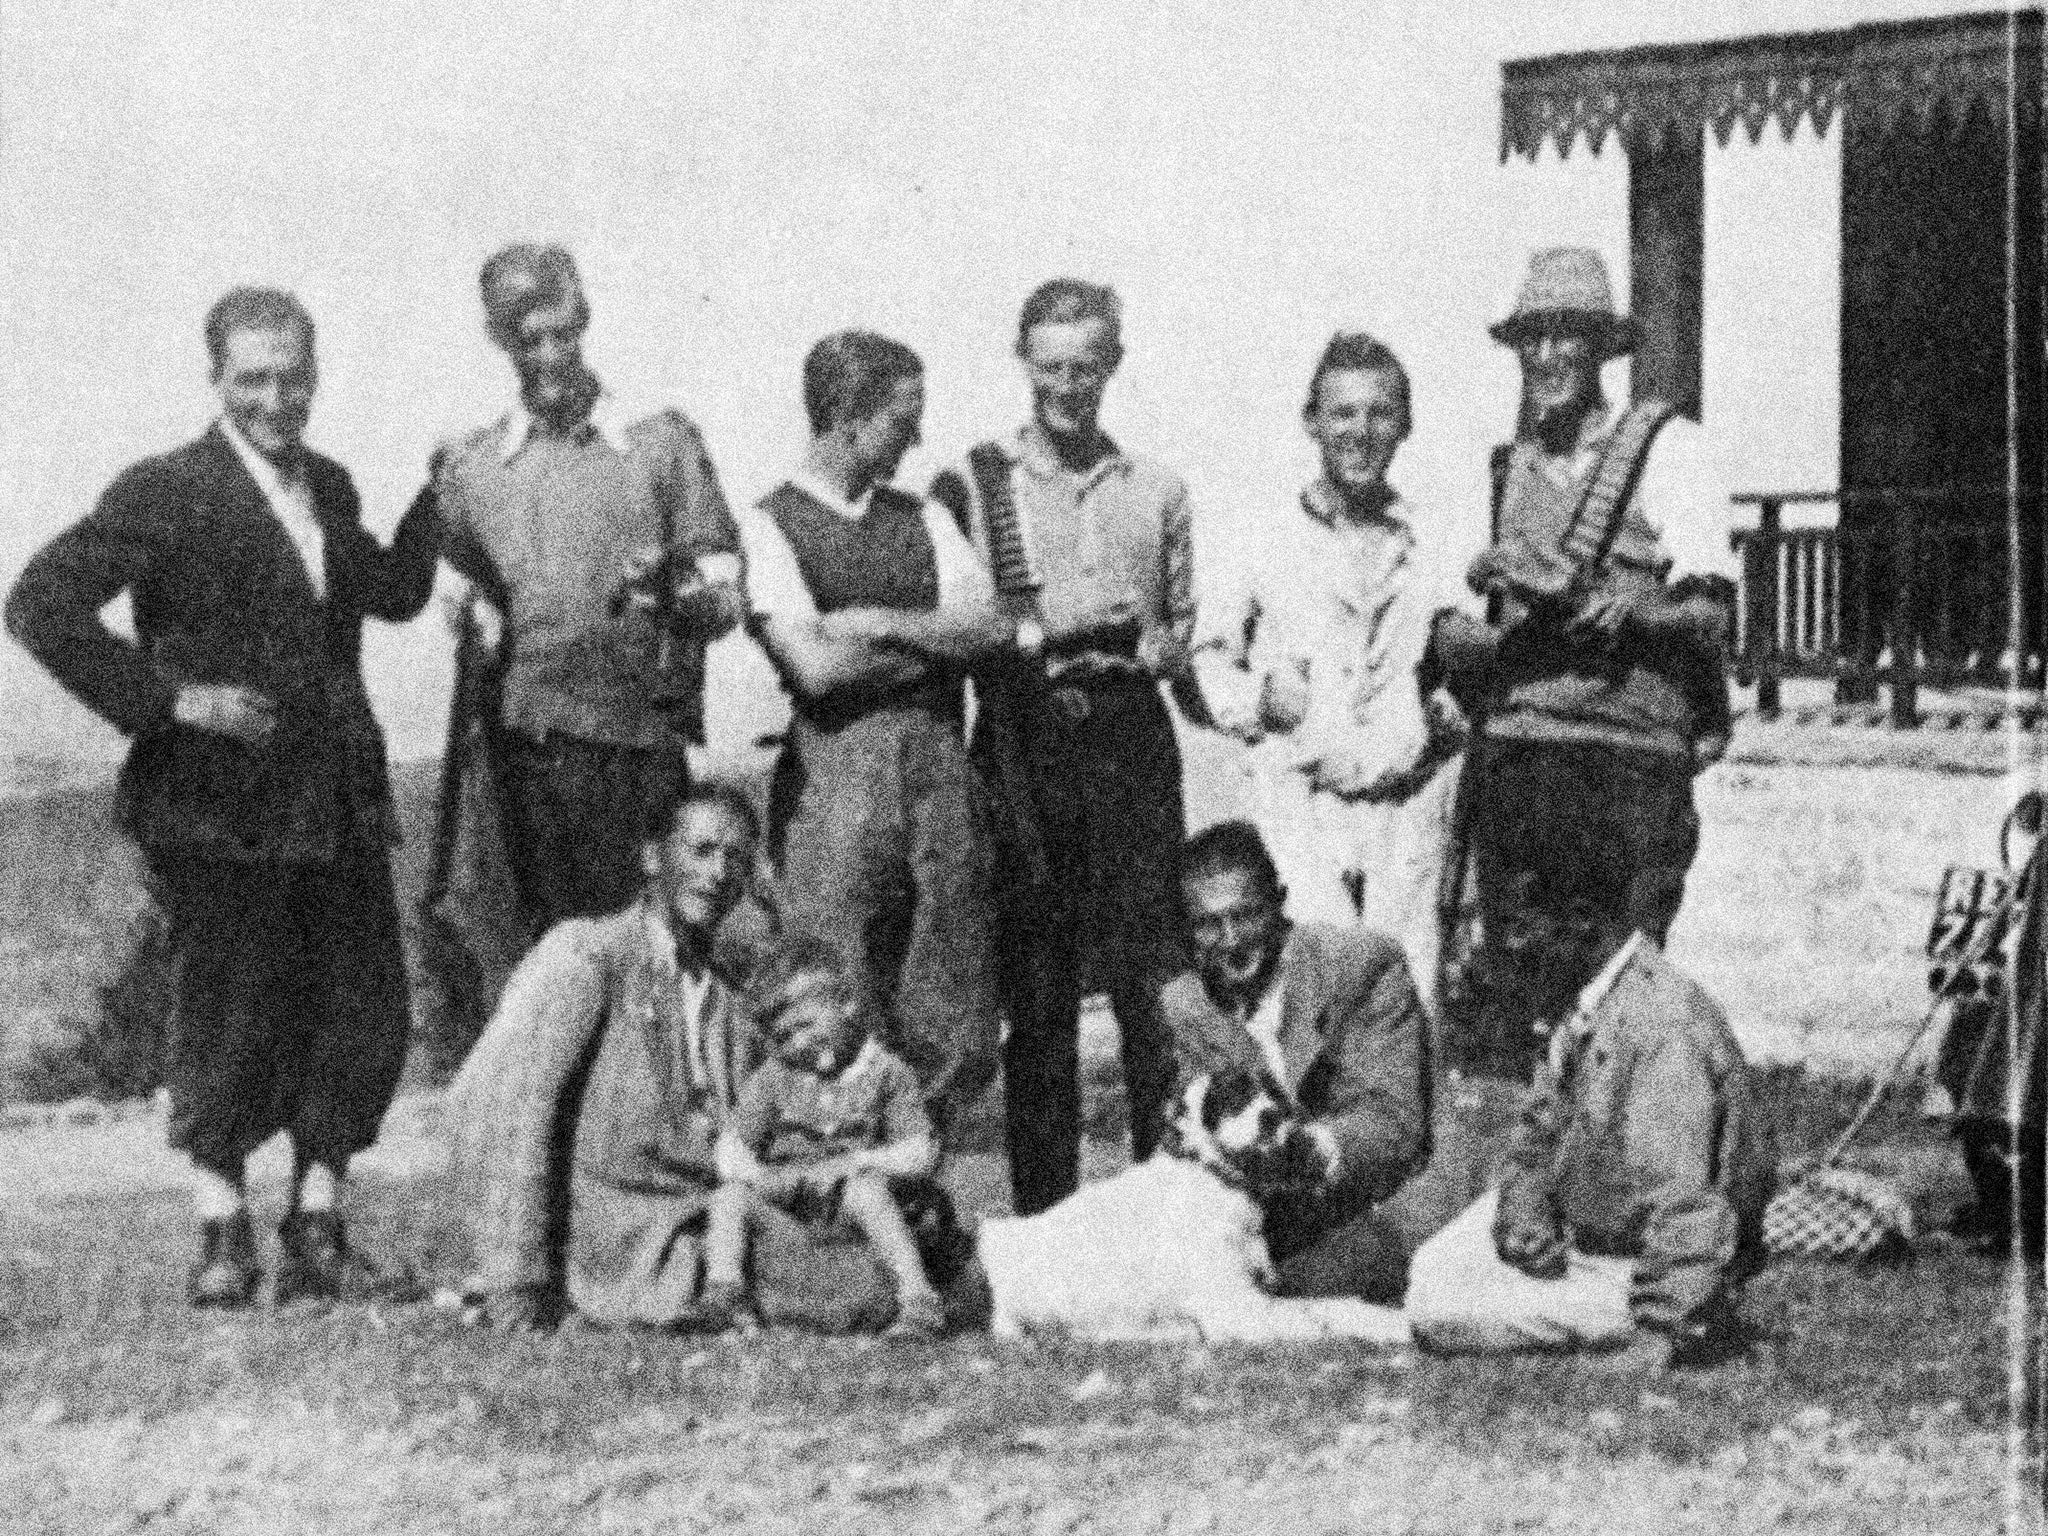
[(1568, 282)]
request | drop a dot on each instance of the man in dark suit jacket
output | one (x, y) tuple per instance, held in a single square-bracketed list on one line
[(1328, 1013), (256, 782)]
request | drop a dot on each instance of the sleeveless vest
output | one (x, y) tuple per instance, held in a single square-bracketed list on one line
[(881, 559)]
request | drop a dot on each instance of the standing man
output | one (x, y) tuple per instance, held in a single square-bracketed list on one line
[(1308, 651), (1328, 1012), (871, 604), (1602, 672), (603, 560), (256, 784), (1091, 551)]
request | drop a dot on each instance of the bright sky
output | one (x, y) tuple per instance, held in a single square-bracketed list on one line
[(736, 180)]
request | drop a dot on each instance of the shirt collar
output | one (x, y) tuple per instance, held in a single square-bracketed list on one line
[(1034, 450), (1322, 501), (272, 480), (604, 421), (818, 488), (1595, 991)]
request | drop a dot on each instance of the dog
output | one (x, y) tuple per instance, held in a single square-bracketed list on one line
[(1176, 1245)]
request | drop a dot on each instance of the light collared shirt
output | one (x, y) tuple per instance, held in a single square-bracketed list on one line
[(290, 495), (692, 991), (776, 587), (1118, 531), (1339, 604), (1571, 1036), (1264, 1024), (604, 421)]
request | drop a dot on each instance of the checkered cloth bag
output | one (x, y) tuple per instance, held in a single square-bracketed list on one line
[(1839, 1213)]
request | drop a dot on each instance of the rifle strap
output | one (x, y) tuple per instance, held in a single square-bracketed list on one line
[(1009, 558), (1596, 521)]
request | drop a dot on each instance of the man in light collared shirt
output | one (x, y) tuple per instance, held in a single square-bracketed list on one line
[(603, 560), (1091, 549), (256, 785), (871, 605)]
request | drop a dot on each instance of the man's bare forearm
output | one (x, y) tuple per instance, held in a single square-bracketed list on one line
[(961, 634)]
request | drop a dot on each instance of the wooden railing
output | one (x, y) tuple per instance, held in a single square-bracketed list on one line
[(1912, 592)]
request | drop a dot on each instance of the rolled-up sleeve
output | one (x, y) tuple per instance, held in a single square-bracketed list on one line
[(1685, 497), (775, 583)]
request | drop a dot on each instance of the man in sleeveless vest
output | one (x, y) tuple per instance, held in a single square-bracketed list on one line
[(1092, 552), (602, 559), (1609, 588), (256, 785), (871, 605)]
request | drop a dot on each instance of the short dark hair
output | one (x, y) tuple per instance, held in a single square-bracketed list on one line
[(1360, 352), (524, 277), (1066, 300), (663, 814), (1234, 844), (777, 980), (253, 309), (849, 375)]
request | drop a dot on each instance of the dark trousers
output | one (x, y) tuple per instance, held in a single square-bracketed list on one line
[(1106, 791), (880, 845), (1562, 833), (290, 1009), (574, 814)]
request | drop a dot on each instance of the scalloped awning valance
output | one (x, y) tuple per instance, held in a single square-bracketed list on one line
[(1904, 74)]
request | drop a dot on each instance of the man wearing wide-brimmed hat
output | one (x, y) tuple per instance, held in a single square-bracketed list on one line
[(1600, 674)]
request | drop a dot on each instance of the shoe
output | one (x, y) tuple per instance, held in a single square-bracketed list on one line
[(225, 1273), (920, 1315), (315, 1261)]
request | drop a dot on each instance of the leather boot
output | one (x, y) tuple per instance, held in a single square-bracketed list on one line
[(225, 1273)]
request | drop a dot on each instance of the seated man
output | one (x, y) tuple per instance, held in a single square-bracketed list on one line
[(1330, 1014), (1636, 1180), (824, 1127), (585, 1123)]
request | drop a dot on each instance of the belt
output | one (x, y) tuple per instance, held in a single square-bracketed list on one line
[(1071, 691)]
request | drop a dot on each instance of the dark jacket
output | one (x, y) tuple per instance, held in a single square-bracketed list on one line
[(1355, 1043), (219, 595)]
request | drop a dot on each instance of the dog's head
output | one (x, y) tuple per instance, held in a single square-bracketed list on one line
[(1239, 1126)]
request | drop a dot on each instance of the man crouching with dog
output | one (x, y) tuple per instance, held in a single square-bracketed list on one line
[(1330, 1015), (1632, 1200)]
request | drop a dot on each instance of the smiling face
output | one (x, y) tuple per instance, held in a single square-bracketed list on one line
[(266, 380), (1357, 421), (1560, 361), (700, 870), (546, 348), (1238, 924), (1068, 364), (821, 1029)]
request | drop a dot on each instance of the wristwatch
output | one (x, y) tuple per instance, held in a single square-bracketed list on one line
[(1030, 637)]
